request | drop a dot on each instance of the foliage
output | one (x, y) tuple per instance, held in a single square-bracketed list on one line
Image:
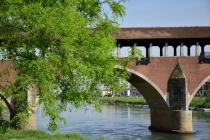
[(203, 102), (1, 109), (134, 52), (207, 100), (197, 101), (4, 125), (64, 48)]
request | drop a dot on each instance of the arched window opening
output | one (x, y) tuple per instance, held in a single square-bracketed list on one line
[(143, 50), (170, 51), (124, 51), (155, 51), (207, 48)]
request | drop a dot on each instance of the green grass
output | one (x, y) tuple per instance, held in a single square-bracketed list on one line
[(123, 100), (40, 135), (196, 102)]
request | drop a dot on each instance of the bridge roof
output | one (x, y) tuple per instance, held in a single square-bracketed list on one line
[(163, 32)]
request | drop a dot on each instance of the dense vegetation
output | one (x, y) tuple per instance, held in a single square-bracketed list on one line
[(198, 102), (67, 52), (1, 109), (201, 101)]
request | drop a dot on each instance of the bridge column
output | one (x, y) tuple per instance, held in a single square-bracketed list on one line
[(172, 121), (150, 49), (166, 50), (32, 99), (119, 50), (177, 119), (197, 49), (182, 49)]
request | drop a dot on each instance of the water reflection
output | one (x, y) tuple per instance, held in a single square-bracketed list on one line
[(123, 123)]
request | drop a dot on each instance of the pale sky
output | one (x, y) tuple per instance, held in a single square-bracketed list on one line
[(166, 13)]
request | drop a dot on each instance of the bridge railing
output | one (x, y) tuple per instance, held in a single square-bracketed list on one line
[(204, 57)]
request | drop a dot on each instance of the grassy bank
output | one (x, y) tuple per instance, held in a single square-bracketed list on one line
[(123, 100), (40, 135), (196, 102)]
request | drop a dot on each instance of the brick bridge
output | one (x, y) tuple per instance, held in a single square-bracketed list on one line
[(167, 83)]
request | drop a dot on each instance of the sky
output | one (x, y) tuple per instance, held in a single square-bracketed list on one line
[(166, 13)]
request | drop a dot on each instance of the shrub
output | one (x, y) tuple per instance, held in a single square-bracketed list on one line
[(1, 109), (4, 125), (207, 100)]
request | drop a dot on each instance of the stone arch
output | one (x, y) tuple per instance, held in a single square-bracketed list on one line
[(196, 89), (155, 98)]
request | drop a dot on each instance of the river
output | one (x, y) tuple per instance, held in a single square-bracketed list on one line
[(123, 123)]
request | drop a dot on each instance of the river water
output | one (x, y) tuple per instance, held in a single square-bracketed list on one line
[(123, 123)]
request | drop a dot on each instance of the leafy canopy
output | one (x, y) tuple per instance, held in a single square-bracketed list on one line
[(62, 47)]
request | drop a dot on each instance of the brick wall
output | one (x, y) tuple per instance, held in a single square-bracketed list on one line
[(160, 69)]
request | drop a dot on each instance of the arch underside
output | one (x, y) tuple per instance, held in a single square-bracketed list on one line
[(152, 94)]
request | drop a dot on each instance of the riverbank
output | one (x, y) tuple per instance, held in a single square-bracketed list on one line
[(40, 135), (138, 101), (128, 101)]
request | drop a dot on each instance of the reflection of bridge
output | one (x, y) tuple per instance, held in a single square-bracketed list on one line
[(168, 83)]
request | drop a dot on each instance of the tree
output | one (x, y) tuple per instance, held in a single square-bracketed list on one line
[(1, 109), (62, 47), (134, 53), (206, 102)]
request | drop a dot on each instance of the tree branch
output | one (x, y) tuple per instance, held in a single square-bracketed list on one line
[(7, 103)]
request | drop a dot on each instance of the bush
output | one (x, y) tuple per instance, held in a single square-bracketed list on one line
[(1, 109), (207, 100), (4, 125), (198, 102)]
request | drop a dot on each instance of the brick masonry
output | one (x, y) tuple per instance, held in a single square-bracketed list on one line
[(160, 69)]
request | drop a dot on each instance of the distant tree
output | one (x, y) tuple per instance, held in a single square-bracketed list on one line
[(62, 47), (207, 100)]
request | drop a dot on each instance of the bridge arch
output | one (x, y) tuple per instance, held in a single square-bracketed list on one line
[(155, 98), (197, 88)]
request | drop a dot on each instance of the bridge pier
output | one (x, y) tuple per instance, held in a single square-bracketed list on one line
[(32, 99), (28, 122), (172, 121)]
